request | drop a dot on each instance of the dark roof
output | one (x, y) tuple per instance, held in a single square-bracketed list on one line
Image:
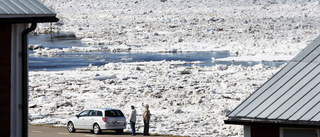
[(25, 11), (291, 96)]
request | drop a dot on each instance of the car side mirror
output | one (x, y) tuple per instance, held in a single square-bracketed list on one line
[(77, 116)]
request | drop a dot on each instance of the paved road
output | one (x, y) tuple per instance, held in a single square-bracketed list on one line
[(46, 131)]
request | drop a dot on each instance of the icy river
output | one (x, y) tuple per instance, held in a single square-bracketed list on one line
[(73, 60), (184, 89)]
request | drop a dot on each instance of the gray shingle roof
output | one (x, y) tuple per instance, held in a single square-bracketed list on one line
[(292, 94), (23, 8)]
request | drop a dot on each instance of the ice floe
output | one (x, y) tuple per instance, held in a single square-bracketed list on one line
[(184, 100)]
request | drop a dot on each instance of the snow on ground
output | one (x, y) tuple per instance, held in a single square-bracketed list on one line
[(184, 100)]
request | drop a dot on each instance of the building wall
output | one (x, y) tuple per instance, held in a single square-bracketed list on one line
[(16, 78), (11, 79), (261, 131), (299, 132), (5, 79)]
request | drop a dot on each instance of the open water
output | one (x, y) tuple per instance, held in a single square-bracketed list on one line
[(70, 61)]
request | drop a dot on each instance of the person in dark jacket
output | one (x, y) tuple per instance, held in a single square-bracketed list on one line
[(146, 120)]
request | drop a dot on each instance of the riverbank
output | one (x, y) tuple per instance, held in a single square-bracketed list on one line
[(52, 131), (184, 100)]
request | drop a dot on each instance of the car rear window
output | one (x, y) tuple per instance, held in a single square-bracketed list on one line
[(113, 113)]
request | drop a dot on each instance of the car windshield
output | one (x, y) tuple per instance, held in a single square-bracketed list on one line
[(113, 113)]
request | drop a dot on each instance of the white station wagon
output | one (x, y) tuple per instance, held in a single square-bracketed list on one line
[(97, 120)]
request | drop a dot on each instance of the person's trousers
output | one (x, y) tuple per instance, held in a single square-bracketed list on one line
[(146, 127), (133, 127)]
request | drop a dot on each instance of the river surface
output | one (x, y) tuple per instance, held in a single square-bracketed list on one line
[(71, 61)]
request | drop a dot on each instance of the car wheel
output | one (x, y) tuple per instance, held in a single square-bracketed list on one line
[(119, 131), (96, 129), (71, 127)]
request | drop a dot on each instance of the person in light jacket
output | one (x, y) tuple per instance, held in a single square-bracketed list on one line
[(146, 120), (133, 120)]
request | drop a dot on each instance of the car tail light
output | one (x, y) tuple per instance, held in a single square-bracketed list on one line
[(104, 119)]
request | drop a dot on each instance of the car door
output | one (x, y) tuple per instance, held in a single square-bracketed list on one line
[(79, 120), (89, 119)]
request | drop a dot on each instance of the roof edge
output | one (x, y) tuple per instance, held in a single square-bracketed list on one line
[(273, 122), (25, 15), (29, 20)]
